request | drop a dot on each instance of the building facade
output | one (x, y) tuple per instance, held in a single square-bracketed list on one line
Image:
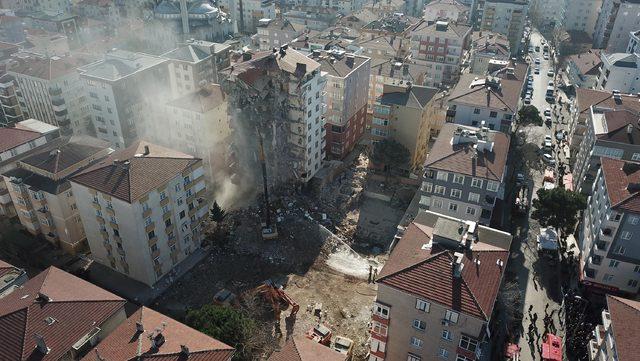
[(506, 17), (583, 69), (610, 340), (582, 15), (346, 97), (487, 46), (620, 72), (610, 257), (247, 13), (617, 19), (273, 33), (147, 226), (634, 42), (440, 45)]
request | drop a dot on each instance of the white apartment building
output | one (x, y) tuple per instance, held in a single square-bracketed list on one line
[(617, 19), (294, 125), (122, 89), (610, 255), (582, 15), (612, 340), (247, 13), (506, 17), (634, 42), (273, 33), (549, 14), (50, 90), (487, 46), (619, 71), (146, 226)]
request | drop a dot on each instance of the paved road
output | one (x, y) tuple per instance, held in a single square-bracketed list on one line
[(537, 276)]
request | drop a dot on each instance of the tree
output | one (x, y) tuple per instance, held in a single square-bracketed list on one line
[(229, 325), (529, 114), (389, 153), (558, 208), (216, 213)]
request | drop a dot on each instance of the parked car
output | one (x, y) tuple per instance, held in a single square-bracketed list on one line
[(537, 70), (550, 83), (548, 141), (550, 73), (527, 100), (530, 78), (519, 178), (529, 93), (537, 61), (548, 158), (547, 120), (547, 111), (546, 57)]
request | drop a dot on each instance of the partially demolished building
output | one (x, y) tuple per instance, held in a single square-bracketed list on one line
[(276, 96)]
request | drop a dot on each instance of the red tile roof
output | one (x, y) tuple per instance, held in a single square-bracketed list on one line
[(48, 68), (458, 158), (126, 343), (604, 99), (303, 349), (6, 268), (427, 272), (142, 174), (625, 321), (74, 306), (12, 137), (617, 127), (618, 175), (587, 62)]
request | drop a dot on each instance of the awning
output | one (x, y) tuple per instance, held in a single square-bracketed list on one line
[(567, 181), (552, 348)]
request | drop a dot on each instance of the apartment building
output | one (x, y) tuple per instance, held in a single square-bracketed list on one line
[(491, 99), (11, 278), (248, 13), (583, 69), (437, 291), (391, 24), (346, 97), (303, 349), (634, 42), (40, 190), (10, 109), (122, 88), (582, 15), (465, 173), (441, 46), (312, 18), (56, 316), (50, 90), (613, 339), (167, 339), (146, 226), (610, 256), (18, 142), (393, 72), (610, 133), (273, 33), (195, 64), (619, 72), (548, 15), (294, 124), (200, 126), (617, 19), (404, 113), (506, 17), (383, 47), (450, 10), (487, 46)]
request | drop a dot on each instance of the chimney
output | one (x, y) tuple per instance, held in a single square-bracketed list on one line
[(146, 150), (184, 350), (629, 128), (40, 344), (139, 327), (458, 265)]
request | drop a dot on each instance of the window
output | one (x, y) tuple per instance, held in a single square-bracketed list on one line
[(182, 214), (167, 222), (476, 111), (451, 316), (165, 209), (379, 328), (446, 335), (462, 358), (425, 201), (427, 187), (620, 250), (419, 325), (634, 220), (613, 263), (98, 213), (437, 203), (442, 176), (440, 190), (457, 178), (471, 211), (456, 193), (468, 343), (442, 353), (492, 186), (475, 182), (380, 310), (636, 269), (632, 283), (147, 221), (626, 235), (635, 156), (151, 234), (607, 277), (453, 207), (493, 114), (377, 345), (163, 195), (416, 342), (429, 174), (412, 357), (177, 187), (474, 197), (422, 305)]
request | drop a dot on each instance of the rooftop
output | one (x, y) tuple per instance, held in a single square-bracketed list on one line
[(490, 42), (118, 64), (57, 306), (423, 264), (412, 96), (36, 126), (605, 100), (129, 174), (281, 24), (588, 62), (625, 321), (491, 158), (393, 23), (46, 68), (188, 53), (299, 348), (337, 63), (442, 28), (126, 342), (623, 60), (503, 94), (619, 126), (622, 180), (68, 154), (410, 70), (13, 137), (209, 97)]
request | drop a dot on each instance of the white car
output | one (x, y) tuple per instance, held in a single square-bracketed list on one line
[(527, 100), (550, 83), (548, 141), (530, 78), (536, 71), (547, 112), (537, 61), (546, 57), (550, 73), (548, 158)]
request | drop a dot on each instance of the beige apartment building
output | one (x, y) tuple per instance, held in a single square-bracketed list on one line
[(41, 193), (437, 291), (403, 113), (614, 339), (142, 209)]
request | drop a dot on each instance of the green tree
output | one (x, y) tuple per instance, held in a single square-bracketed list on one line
[(216, 213), (529, 114), (558, 208), (229, 325), (389, 153)]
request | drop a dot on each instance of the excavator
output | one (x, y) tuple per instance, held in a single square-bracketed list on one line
[(277, 297)]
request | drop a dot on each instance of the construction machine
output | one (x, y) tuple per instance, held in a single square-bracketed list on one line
[(277, 297)]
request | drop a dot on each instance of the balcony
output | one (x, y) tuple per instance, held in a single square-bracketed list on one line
[(152, 241), (150, 227), (146, 213)]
